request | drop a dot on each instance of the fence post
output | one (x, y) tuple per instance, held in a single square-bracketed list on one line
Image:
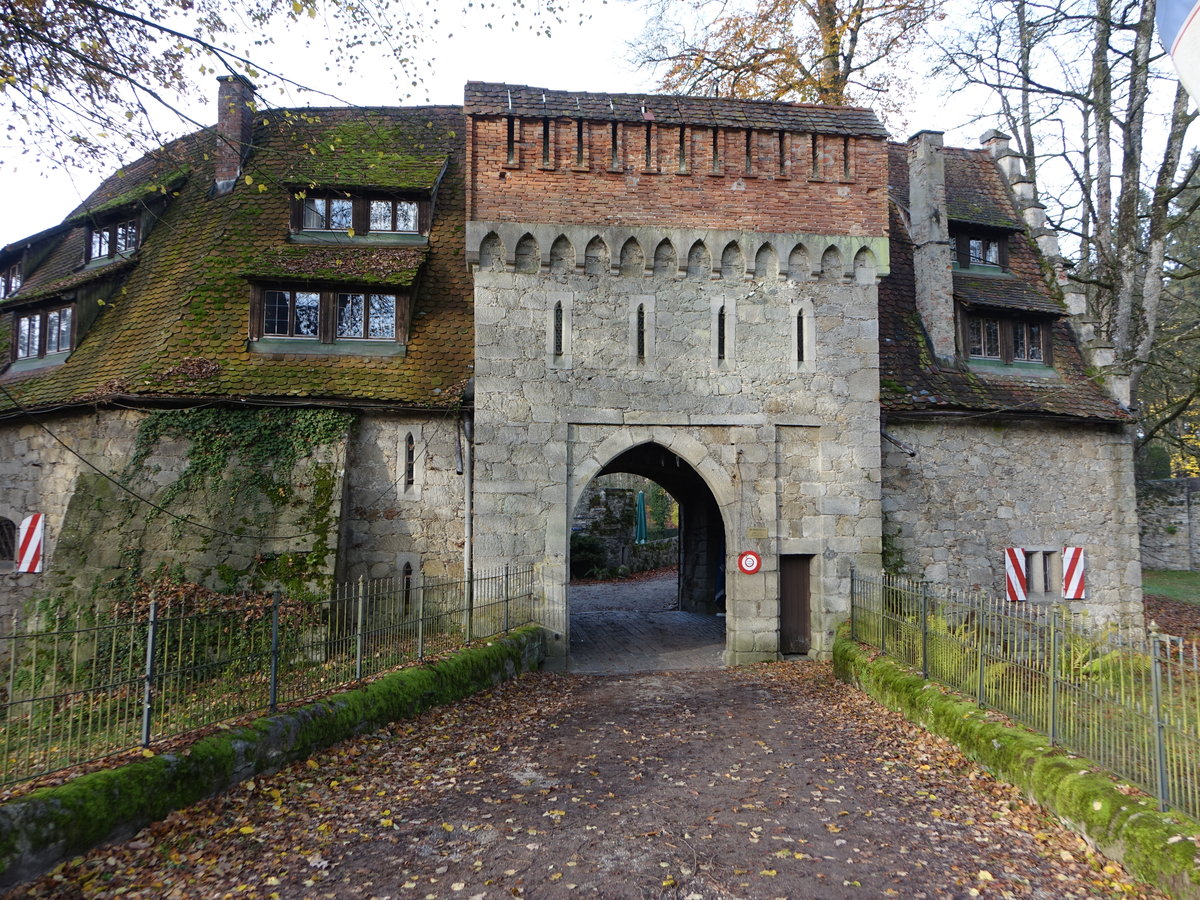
[(1053, 676), (1160, 742), (853, 621), (148, 686), (421, 620), (12, 661), (506, 597), (358, 629), (274, 698), (470, 593), (980, 693), (925, 630)]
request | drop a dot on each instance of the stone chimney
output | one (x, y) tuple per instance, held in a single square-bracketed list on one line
[(1013, 168), (932, 262), (235, 109)]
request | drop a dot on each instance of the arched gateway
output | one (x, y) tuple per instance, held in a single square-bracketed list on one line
[(710, 327)]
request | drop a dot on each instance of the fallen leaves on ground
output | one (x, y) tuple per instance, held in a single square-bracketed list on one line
[(769, 781)]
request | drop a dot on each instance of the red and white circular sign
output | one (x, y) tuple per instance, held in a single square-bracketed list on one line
[(749, 562)]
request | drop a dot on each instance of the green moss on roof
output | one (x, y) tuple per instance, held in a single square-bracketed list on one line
[(358, 265), (186, 297), (162, 186)]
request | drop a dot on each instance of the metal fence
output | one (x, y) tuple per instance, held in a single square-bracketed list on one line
[(81, 685), (1109, 691)]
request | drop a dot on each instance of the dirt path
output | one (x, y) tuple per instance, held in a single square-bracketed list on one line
[(772, 781)]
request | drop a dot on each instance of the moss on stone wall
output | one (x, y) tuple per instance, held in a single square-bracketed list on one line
[(44, 827), (1159, 848)]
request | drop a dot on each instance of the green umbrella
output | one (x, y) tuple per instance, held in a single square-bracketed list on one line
[(639, 534)]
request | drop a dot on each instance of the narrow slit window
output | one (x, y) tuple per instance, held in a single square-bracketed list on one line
[(546, 142), (512, 141), (558, 329), (410, 461), (782, 154), (579, 142), (749, 151), (649, 147), (800, 337), (716, 150), (682, 148), (8, 543), (615, 155), (406, 579), (721, 334), (641, 332), (846, 158), (815, 153)]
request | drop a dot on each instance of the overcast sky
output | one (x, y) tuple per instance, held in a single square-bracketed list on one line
[(587, 57)]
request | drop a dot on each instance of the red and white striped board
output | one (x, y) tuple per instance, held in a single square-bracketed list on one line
[(30, 538), (1015, 584), (1074, 566)]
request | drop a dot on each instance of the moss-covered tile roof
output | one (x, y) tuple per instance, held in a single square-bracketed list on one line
[(177, 326), (912, 382), (974, 193)]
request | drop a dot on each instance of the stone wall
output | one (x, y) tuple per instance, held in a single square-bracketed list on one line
[(1169, 512), (842, 196), (367, 518), (785, 438), (388, 522), (973, 489)]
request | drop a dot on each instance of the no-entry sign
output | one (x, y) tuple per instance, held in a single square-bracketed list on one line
[(749, 562)]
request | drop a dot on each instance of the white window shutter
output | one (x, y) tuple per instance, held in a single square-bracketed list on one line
[(1074, 566)]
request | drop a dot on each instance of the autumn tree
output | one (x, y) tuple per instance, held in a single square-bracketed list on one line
[(1101, 127), (80, 78), (823, 51)]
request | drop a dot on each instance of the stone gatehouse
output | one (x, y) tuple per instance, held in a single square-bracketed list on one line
[(834, 351)]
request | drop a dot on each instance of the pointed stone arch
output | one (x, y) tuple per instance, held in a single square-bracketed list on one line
[(733, 261), (562, 256), (866, 268), (491, 253), (528, 258), (699, 262), (633, 258), (766, 262), (799, 264), (666, 262), (596, 258), (832, 267)]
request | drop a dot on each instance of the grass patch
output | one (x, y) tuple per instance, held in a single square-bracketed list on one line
[(1183, 586)]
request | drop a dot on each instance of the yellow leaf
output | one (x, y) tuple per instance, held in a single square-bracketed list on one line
[(147, 753), (247, 829), (349, 232), (272, 881), (446, 826), (261, 188), (770, 873), (985, 875), (556, 876), (386, 823), (311, 763), (248, 179), (668, 881)]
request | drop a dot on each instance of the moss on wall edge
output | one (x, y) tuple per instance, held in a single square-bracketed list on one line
[(1156, 847), (40, 829)]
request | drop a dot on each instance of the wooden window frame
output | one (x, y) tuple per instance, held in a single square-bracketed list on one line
[(43, 338), (1006, 326), (11, 280), (360, 213), (327, 313), (962, 250), (111, 230)]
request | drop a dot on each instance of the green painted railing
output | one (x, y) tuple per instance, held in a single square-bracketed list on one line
[(1105, 689)]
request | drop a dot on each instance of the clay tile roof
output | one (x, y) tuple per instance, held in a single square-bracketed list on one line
[(483, 99), (177, 327), (910, 383), (1002, 292), (975, 191)]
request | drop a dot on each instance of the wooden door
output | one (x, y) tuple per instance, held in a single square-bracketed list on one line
[(793, 603)]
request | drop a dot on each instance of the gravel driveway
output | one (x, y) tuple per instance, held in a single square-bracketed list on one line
[(770, 781)]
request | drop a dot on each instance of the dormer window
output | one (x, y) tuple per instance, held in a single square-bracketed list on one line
[(357, 215), (980, 252), (44, 333), (1005, 341), (114, 240), (10, 280), (330, 316)]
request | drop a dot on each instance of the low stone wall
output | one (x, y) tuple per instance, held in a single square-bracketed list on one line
[(1169, 511), (655, 554), (1157, 847), (39, 830)]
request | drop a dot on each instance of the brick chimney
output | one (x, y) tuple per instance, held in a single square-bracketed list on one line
[(235, 108), (931, 239)]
